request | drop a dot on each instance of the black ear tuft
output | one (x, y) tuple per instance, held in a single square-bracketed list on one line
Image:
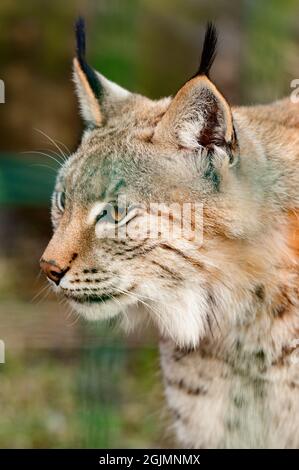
[(80, 39), (90, 74), (208, 51)]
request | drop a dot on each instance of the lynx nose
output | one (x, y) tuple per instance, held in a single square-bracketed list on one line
[(52, 271)]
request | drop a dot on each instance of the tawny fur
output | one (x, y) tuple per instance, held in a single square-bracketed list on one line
[(227, 309)]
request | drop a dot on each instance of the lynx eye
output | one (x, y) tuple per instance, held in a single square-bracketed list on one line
[(60, 200), (112, 214), (101, 215)]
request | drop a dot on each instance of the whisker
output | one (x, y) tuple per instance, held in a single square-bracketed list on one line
[(65, 146), (44, 297), (75, 314), (139, 295), (38, 276), (47, 286), (63, 159), (51, 140), (45, 154), (147, 306), (45, 166)]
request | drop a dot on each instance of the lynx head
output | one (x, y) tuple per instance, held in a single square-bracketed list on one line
[(139, 163)]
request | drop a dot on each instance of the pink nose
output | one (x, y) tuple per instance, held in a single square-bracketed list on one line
[(52, 271)]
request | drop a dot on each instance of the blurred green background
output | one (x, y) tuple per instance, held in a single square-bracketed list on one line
[(66, 383)]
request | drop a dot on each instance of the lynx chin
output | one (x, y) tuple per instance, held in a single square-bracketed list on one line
[(227, 308)]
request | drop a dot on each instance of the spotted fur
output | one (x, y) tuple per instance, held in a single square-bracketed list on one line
[(226, 310)]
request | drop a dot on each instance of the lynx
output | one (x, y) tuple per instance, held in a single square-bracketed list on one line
[(226, 305)]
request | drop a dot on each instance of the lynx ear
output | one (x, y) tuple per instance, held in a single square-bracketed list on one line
[(96, 94), (198, 115)]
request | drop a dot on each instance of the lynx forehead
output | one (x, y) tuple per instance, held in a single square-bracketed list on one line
[(225, 305)]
